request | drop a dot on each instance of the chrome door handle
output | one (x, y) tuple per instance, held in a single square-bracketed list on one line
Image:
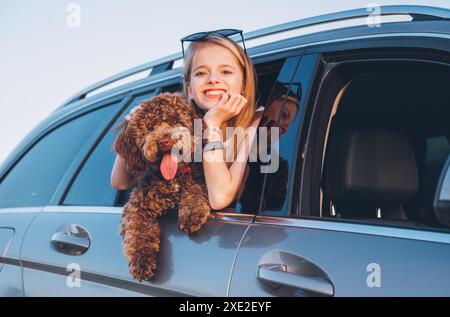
[(275, 275), (71, 239)]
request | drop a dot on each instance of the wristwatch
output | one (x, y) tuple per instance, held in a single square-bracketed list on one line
[(212, 130), (214, 145)]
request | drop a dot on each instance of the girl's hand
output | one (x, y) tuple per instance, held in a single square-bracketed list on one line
[(228, 106), (128, 116)]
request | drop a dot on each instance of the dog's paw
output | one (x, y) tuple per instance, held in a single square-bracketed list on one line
[(143, 266), (192, 222)]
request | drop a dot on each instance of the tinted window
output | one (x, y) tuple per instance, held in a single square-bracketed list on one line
[(384, 154), (93, 184), (280, 100), (35, 177), (437, 151)]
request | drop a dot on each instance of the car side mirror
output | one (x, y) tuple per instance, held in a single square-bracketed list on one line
[(441, 204)]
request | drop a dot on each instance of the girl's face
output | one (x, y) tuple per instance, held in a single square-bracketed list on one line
[(215, 70)]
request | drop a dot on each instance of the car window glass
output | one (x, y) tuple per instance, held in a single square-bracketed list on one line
[(33, 180), (437, 151), (269, 172), (385, 154), (92, 186)]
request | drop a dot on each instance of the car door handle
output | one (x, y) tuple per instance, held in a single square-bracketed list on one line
[(71, 239), (275, 275)]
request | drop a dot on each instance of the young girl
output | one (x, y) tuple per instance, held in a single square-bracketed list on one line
[(219, 79)]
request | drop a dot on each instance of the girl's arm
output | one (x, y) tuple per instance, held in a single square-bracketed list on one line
[(120, 179), (223, 183)]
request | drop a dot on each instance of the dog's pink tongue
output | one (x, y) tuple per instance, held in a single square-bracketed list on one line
[(168, 166)]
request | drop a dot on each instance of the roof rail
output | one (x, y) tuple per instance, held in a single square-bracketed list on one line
[(164, 63), (418, 13)]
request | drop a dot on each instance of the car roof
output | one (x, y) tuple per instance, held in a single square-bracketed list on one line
[(423, 19)]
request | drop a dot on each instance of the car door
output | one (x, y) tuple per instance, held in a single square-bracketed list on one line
[(50, 165), (264, 243), (328, 258), (74, 248), (13, 226), (304, 256), (29, 177)]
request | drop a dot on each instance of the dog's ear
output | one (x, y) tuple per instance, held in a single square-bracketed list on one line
[(126, 146)]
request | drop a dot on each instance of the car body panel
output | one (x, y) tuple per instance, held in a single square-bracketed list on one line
[(348, 257), (16, 222), (198, 265)]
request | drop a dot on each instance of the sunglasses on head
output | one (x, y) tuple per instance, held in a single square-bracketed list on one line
[(201, 35)]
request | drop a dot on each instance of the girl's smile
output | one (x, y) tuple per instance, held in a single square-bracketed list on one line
[(214, 93), (215, 71)]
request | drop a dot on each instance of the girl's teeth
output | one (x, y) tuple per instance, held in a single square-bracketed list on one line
[(214, 92)]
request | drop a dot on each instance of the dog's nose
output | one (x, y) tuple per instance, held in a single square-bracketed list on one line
[(164, 144)]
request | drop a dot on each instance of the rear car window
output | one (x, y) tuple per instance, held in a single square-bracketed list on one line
[(33, 180)]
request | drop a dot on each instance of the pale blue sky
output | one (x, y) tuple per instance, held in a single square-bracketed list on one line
[(44, 62)]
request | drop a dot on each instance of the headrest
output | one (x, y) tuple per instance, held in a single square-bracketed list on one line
[(372, 168)]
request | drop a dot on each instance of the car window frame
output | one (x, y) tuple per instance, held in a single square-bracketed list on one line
[(307, 92), (46, 128), (116, 102), (305, 200)]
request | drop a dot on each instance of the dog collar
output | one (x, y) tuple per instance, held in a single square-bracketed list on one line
[(186, 170)]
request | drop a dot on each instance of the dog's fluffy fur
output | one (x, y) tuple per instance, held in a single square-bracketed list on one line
[(141, 142)]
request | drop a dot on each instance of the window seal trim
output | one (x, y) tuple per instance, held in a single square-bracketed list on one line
[(217, 215), (348, 227)]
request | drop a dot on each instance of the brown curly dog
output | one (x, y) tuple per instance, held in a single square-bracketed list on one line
[(166, 181)]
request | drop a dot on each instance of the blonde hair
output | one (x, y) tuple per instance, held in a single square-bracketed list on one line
[(245, 117)]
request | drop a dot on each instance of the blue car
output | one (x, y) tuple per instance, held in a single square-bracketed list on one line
[(359, 204)]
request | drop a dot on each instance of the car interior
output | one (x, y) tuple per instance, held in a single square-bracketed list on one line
[(387, 140)]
